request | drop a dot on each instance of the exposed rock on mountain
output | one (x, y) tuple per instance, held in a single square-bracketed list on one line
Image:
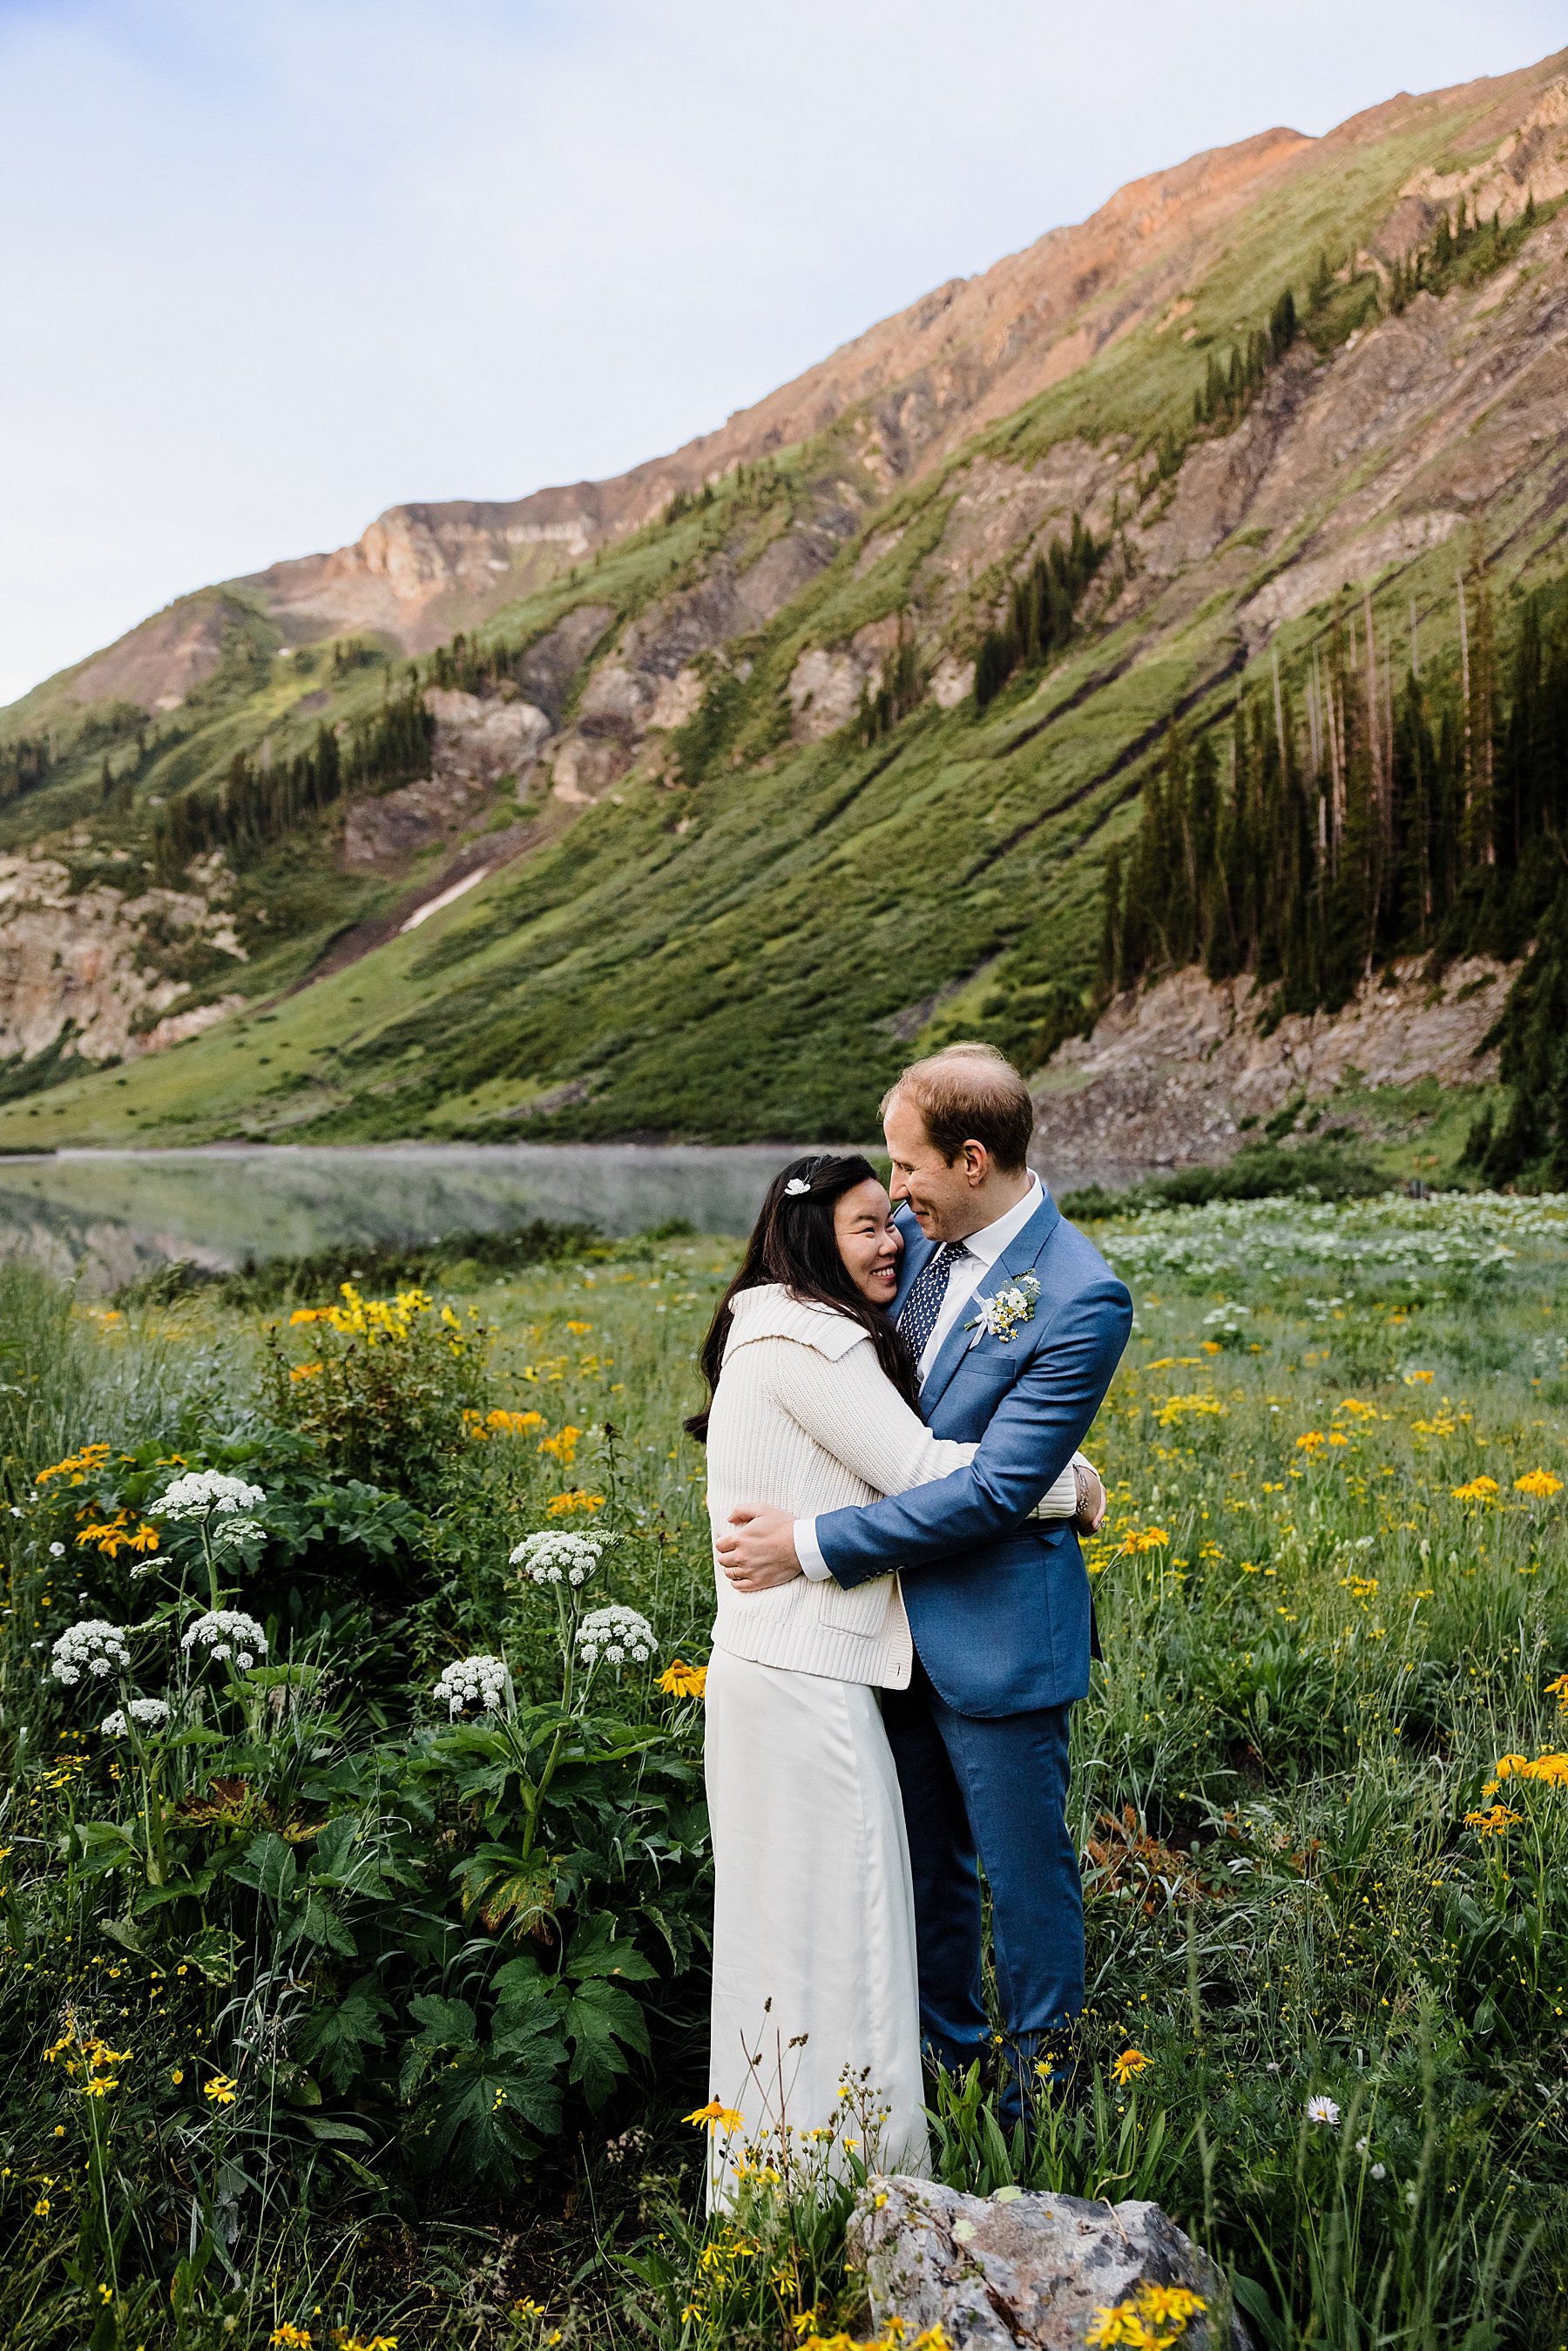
[(1183, 1072), (75, 967), (691, 802)]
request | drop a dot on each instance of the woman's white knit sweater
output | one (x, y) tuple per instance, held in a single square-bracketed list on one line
[(805, 1418)]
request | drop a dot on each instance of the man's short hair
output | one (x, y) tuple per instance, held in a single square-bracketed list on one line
[(970, 1093)]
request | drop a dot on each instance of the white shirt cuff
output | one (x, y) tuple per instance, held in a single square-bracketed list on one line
[(808, 1552)]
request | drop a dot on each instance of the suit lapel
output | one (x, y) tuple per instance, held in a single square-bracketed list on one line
[(1018, 1258)]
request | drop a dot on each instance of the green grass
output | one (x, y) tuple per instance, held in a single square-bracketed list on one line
[(1317, 1651)]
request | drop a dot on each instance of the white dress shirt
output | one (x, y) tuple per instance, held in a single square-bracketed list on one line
[(964, 1278)]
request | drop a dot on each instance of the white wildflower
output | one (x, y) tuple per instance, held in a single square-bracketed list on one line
[(91, 1646), (226, 1633), (151, 1713), (1320, 2109), (551, 1558), (481, 1681), (232, 1534), (206, 1493), (57, 1550), (616, 1633), (1380, 2171)]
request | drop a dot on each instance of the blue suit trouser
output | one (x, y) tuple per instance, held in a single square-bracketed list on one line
[(991, 1792)]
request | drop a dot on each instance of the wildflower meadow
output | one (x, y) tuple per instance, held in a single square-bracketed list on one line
[(353, 1870)]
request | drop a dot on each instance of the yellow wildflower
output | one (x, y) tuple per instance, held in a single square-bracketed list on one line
[(1156, 2317), (1479, 1489), (561, 1447), (1177, 1408), (1539, 1482), (1308, 1441), (681, 1680), (220, 2089), (1557, 1690), (1148, 1539), (1129, 2065), (580, 1330), (562, 1506), (1497, 1823), (294, 2338), (305, 1372), (717, 2116), (76, 1466)]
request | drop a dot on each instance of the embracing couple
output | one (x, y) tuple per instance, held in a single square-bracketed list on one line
[(903, 1616)]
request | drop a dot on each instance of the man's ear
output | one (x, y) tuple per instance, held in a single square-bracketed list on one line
[(977, 1163)]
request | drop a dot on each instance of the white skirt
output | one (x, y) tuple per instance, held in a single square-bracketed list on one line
[(814, 1979)]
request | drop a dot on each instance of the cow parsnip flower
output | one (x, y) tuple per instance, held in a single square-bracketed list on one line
[(620, 1636), (93, 1646), (204, 1494), (482, 1681), (551, 1558), (150, 1713), (226, 1633)]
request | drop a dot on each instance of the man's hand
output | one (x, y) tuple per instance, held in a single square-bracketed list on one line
[(758, 1550), (1089, 1515)]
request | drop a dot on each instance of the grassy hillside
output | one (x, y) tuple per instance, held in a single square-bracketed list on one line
[(730, 932)]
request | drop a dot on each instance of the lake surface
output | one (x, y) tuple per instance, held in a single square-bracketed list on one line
[(115, 1214), (112, 1214)]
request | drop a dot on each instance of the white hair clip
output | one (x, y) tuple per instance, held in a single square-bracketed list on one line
[(797, 1187)]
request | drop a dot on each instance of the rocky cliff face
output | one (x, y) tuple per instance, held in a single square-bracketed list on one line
[(1183, 1072), (79, 967)]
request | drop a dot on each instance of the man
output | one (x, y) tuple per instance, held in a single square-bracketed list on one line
[(1017, 1324)]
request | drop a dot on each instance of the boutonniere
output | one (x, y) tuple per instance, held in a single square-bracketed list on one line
[(1009, 1311)]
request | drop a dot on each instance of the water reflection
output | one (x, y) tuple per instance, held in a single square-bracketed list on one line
[(115, 1214), (111, 1215)]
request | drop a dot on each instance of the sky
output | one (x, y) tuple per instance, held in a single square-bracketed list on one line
[(273, 268)]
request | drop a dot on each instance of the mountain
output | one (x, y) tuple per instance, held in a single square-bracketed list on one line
[(690, 802)]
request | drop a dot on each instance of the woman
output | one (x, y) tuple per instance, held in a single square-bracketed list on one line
[(813, 1407)]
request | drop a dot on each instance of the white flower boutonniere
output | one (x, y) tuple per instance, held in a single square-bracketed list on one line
[(1009, 1311)]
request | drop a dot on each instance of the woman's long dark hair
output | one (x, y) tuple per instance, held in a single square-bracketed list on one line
[(793, 1242)]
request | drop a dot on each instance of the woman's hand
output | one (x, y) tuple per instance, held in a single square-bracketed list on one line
[(1089, 1515)]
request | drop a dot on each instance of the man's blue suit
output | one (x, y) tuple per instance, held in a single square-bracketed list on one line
[(999, 1608)]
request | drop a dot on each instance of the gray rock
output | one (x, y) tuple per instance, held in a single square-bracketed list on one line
[(1015, 2270)]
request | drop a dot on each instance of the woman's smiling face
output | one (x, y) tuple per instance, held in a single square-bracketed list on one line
[(870, 1243)]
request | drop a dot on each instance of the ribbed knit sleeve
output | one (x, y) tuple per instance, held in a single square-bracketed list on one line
[(851, 1409)]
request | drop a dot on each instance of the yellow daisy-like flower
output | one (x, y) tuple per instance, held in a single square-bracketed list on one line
[(1129, 2065), (1496, 1823), (562, 1506), (717, 2116), (220, 2089), (1539, 1482), (681, 1680), (1479, 1489)]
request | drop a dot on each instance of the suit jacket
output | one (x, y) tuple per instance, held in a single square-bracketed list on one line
[(998, 1603)]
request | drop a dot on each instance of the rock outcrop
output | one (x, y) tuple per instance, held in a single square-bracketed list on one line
[(76, 970), (1181, 1073), (1015, 2271)]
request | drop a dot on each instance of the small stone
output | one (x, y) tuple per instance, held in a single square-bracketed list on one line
[(1020, 2272)]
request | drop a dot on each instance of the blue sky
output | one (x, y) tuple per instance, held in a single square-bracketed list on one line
[(272, 267)]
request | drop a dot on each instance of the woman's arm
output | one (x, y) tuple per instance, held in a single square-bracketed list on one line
[(851, 1409)]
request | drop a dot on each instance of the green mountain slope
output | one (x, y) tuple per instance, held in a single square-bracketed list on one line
[(744, 836)]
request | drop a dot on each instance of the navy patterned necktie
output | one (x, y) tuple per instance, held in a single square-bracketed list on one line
[(927, 1291)]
